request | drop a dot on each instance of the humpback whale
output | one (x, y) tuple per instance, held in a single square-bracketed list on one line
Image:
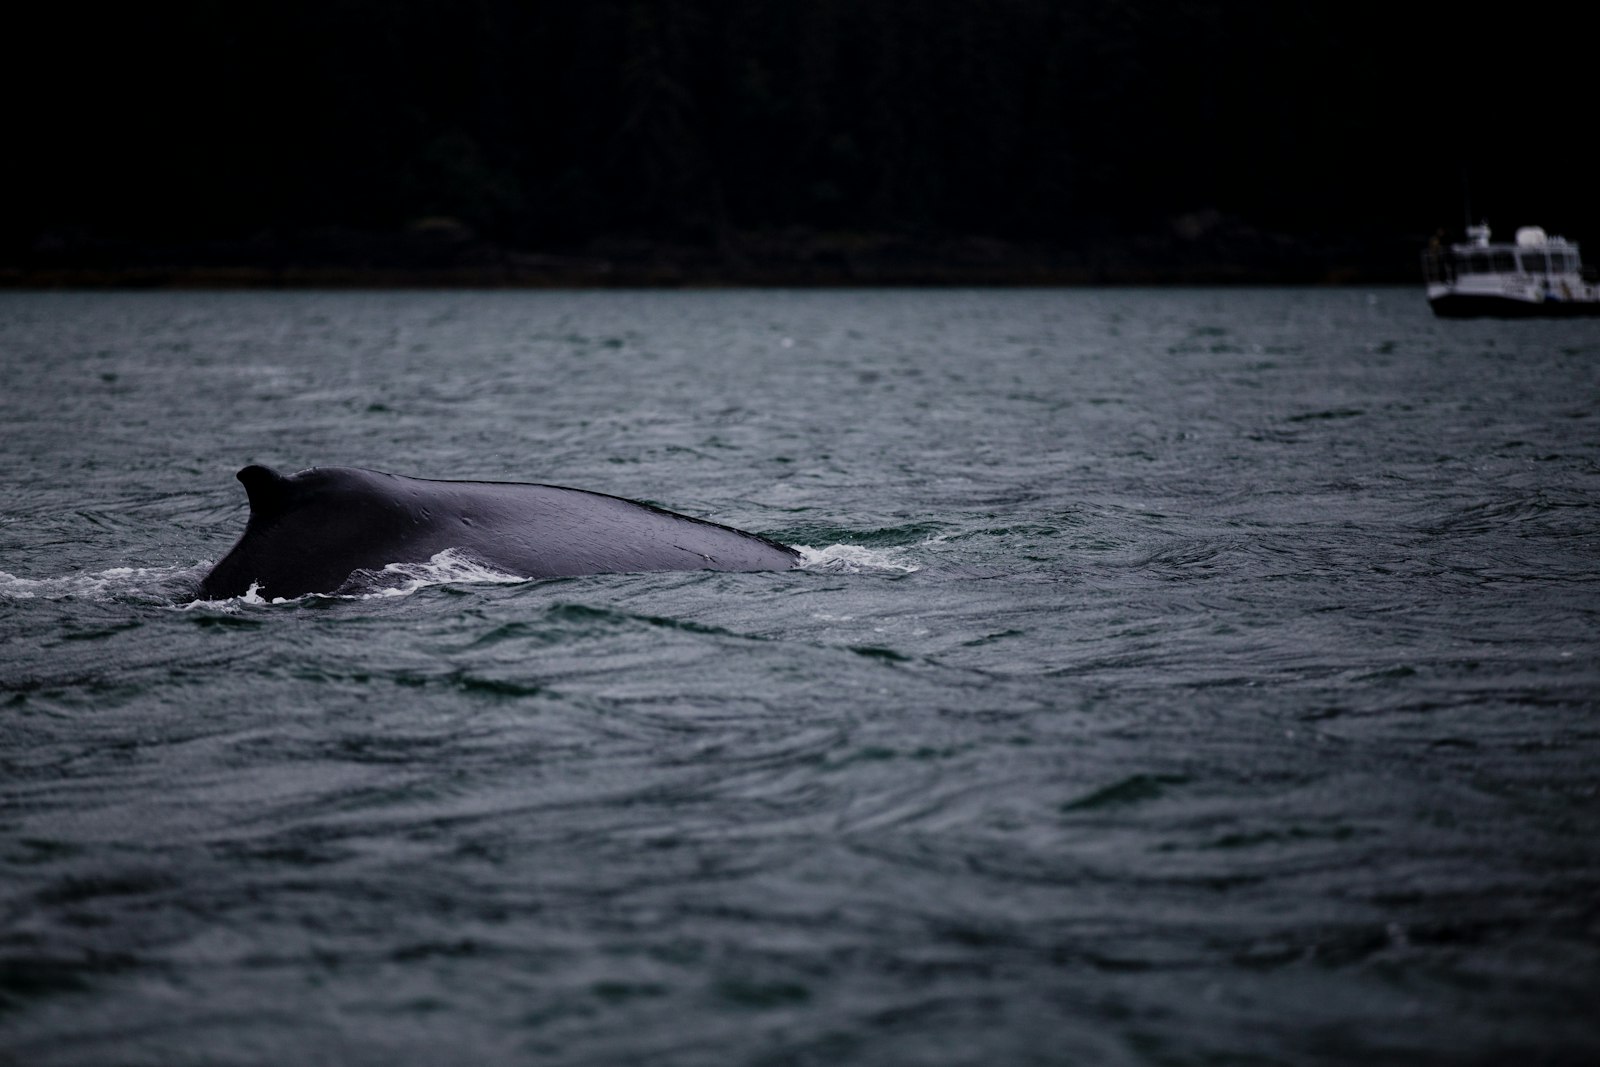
[(309, 532)]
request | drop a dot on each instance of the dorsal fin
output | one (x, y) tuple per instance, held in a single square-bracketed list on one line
[(266, 489)]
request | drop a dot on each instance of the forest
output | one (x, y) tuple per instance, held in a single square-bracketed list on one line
[(671, 141)]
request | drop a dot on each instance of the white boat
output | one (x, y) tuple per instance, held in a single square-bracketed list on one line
[(1538, 275)]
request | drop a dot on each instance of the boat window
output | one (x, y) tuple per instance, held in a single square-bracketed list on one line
[(1505, 263), (1533, 262), (1478, 263)]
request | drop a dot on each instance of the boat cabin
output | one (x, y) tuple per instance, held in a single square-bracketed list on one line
[(1534, 253)]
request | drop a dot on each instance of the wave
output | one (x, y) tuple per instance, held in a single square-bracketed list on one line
[(448, 567), (175, 585), (855, 559), (158, 584), (453, 567)]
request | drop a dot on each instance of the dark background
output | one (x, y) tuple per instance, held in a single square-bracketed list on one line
[(823, 140)]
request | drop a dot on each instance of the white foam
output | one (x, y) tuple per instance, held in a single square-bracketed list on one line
[(396, 579), (116, 583), (449, 566), (855, 559)]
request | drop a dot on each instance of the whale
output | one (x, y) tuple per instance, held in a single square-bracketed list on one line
[(312, 531)]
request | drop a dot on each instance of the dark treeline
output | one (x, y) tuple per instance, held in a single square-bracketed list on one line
[(1336, 130)]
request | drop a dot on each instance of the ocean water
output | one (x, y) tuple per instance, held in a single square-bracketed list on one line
[(1175, 677)]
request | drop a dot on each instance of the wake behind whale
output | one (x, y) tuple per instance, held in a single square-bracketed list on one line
[(309, 532)]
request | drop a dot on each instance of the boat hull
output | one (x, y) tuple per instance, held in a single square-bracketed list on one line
[(1485, 306)]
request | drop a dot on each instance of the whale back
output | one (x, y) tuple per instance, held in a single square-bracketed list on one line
[(309, 532)]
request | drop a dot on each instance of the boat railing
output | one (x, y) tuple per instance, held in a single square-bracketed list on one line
[(1438, 266)]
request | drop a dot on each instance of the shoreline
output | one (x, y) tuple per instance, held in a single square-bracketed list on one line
[(225, 278), (450, 257)]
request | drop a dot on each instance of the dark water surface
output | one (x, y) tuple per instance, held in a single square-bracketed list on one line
[(1176, 677)]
